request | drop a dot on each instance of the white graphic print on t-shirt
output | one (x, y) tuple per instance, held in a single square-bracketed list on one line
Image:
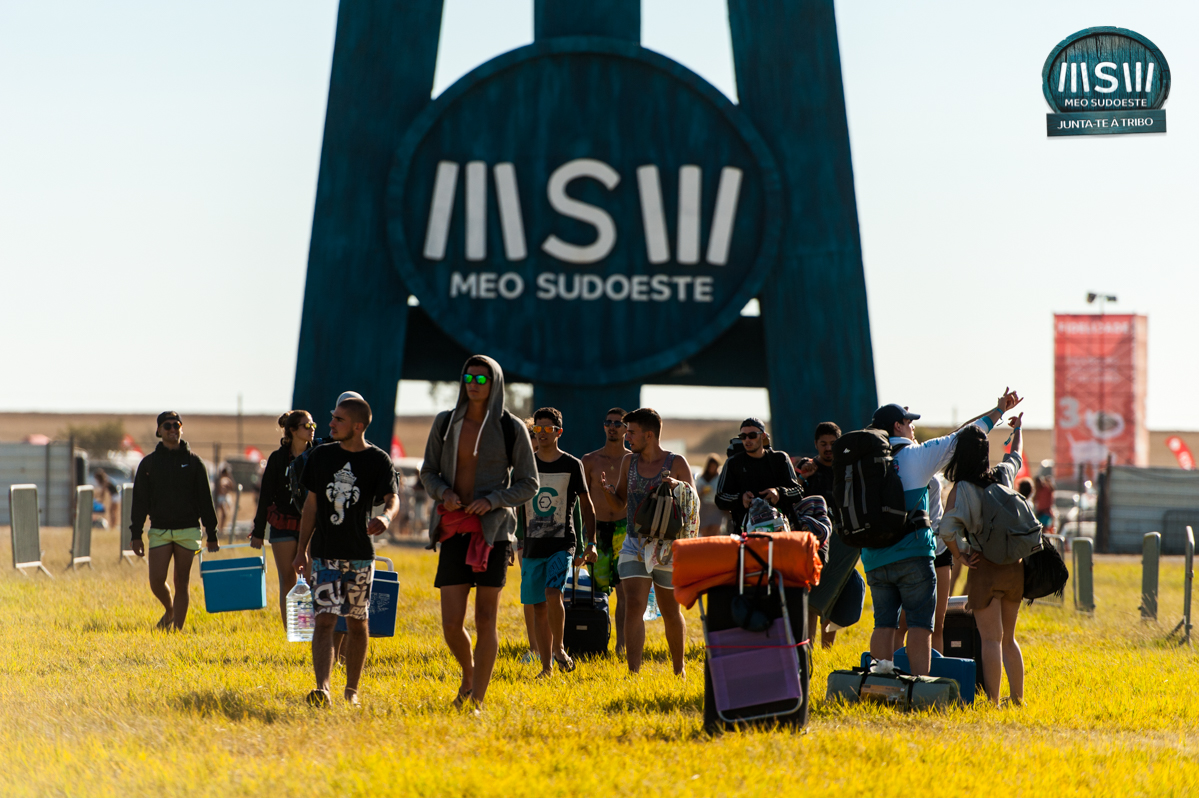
[(546, 512), (342, 492)]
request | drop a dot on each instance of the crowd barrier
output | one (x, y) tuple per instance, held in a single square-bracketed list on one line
[(1151, 555), (233, 520), (26, 529), (127, 554), (1183, 629), (81, 542), (1083, 576)]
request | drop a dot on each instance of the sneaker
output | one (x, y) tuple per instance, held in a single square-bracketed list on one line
[(319, 699), (529, 657)]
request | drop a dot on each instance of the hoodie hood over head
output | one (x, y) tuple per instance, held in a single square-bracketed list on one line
[(505, 482)]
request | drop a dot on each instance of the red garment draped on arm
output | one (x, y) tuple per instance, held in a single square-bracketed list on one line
[(461, 522)]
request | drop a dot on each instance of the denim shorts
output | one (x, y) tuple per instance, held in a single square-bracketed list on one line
[(909, 585)]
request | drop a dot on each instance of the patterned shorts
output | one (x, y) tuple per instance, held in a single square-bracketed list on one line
[(342, 587)]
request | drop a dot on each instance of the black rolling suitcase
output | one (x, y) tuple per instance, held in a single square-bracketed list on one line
[(774, 655), (961, 635), (588, 625)]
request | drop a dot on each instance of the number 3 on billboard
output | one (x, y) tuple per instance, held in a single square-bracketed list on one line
[(1068, 416)]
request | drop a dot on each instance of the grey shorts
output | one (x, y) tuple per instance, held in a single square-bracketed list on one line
[(629, 566)]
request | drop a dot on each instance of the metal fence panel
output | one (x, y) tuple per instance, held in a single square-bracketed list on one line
[(47, 467), (26, 532), (1144, 500), (81, 545), (127, 554)]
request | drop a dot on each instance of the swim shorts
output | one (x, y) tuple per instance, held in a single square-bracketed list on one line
[(342, 587), (539, 574), (187, 538), (609, 537), (630, 566)]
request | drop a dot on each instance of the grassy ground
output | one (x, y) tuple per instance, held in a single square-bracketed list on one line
[(92, 702)]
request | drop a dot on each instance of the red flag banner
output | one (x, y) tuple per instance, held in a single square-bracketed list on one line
[(1181, 451), (397, 448), (1099, 387)]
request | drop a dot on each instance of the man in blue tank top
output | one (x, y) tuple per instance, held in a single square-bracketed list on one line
[(640, 472)]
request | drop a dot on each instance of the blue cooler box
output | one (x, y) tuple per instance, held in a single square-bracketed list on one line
[(960, 670), (385, 594), (235, 584)]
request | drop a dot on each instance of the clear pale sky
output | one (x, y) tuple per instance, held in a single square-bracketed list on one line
[(158, 165)]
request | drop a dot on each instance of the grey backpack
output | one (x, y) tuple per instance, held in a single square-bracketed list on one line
[(1010, 530)]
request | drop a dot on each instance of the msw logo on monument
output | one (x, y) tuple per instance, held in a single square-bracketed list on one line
[(653, 216)]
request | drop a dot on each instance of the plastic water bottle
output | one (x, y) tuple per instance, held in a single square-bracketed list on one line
[(300, 617), (651, 608)]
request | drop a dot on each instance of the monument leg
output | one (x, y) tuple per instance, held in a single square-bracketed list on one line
[(819, 357), (355, 305)]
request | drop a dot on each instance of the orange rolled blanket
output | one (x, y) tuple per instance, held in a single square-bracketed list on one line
[(703, 563)]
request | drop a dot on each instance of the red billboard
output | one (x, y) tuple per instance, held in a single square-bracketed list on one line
[(1099, 391)]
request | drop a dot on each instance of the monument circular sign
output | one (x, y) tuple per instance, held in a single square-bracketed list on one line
[(1105, 69), (583, 210)]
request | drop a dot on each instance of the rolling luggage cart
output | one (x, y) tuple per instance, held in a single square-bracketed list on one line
[(758, 662)]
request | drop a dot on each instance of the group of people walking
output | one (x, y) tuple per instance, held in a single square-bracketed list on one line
[(503, 489)]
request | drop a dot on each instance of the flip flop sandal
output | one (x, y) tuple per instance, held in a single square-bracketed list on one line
[(567, 665), (462, 698)]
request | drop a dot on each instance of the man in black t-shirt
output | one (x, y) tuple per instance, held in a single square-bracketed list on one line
[(549, 549), (816, 474), (336, 554), (759, 471)]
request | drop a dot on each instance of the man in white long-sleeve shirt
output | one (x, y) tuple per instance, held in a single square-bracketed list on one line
[(901, 576)]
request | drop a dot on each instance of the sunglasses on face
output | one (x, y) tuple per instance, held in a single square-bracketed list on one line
[(543, 428), (309, 425), (171, 425), (610, 423), (749, 436), (477, 379)]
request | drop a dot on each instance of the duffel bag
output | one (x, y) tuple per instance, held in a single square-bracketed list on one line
[(899, 690)]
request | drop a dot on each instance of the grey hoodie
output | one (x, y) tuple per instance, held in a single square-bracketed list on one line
[(493, 481)]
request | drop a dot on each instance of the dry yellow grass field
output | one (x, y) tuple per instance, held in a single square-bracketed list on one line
[(92, 702)]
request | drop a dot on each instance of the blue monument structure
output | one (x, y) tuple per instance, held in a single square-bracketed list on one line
[(591, 214)]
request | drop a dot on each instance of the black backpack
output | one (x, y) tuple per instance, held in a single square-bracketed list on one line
[(1045, 572), (295, 470), (868, 504)]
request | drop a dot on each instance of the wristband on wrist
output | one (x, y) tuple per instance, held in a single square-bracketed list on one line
[(386, 519)]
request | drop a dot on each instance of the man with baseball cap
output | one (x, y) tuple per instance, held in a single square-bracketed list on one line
[(901, 576), (171, 487), (757, 472)]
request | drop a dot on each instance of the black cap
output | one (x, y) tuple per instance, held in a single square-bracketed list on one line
[(754, 422), (167, 415), (887, 416)]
